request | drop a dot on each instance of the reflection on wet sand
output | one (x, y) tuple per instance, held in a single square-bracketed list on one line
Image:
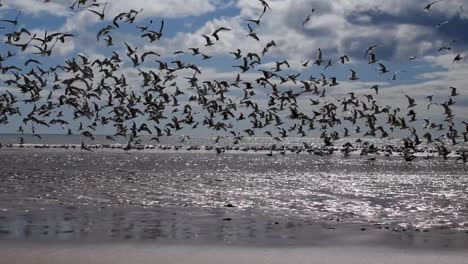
[(211, 226), (107, 224)]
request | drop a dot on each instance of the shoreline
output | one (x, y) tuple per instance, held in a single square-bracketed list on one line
[(425, 153)]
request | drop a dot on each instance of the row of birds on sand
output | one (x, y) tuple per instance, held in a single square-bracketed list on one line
[(170, 95), (361, 148)]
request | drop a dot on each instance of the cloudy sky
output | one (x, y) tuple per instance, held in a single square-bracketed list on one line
[(409, 38)]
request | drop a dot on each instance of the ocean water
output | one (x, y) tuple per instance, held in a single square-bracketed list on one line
[(50, 193)]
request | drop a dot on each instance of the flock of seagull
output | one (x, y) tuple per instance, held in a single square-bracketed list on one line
[(82, 95)]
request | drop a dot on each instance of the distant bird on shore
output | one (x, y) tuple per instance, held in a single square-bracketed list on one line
[(84, 147)]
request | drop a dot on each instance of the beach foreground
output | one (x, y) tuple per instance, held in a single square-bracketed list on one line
[(144, 253), (60, 206)]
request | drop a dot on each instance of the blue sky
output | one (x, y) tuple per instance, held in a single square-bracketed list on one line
[(341, 27)]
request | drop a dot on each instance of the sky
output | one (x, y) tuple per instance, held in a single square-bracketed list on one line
[(408, 37)]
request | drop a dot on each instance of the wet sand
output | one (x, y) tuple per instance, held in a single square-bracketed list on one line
[(184, 237), (145, 253), (292, 242)]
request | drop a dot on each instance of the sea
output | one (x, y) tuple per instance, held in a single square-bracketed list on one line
[(198, 189)]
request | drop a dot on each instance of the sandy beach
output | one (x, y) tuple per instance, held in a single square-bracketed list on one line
[(314, 243), (147, 213), (146, 254)]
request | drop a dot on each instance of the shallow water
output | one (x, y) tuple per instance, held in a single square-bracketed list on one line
[(423, 194)]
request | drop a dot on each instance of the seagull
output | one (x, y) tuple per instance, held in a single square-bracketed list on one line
[(453, 91), (333, 81), (307, 19), (329, 64), (458, 58), (371, 49), (14, 21), (353, 75), (252, 33), (195, 51), (84, 147), (270, 154), (208, 41), (372, 58), (144, 55), (237, 54), (411, 101), (441, 24), (215, 33), (255, 21), (319, 59), (344, 59), (130, 50), (448, 48), (395, 74), (100, 14), (429, 97), (383, 69), (428, 7), (109, 41)]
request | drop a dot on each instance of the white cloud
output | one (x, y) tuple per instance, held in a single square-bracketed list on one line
[(163, 8), (160, 8), (35, 7), (79, 21)]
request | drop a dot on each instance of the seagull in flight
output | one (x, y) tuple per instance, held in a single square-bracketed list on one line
[(449, 47), (457, 58), (371, 49), (428, 7), (307, 19), (441, 24), (453, 91), (215, 33)]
